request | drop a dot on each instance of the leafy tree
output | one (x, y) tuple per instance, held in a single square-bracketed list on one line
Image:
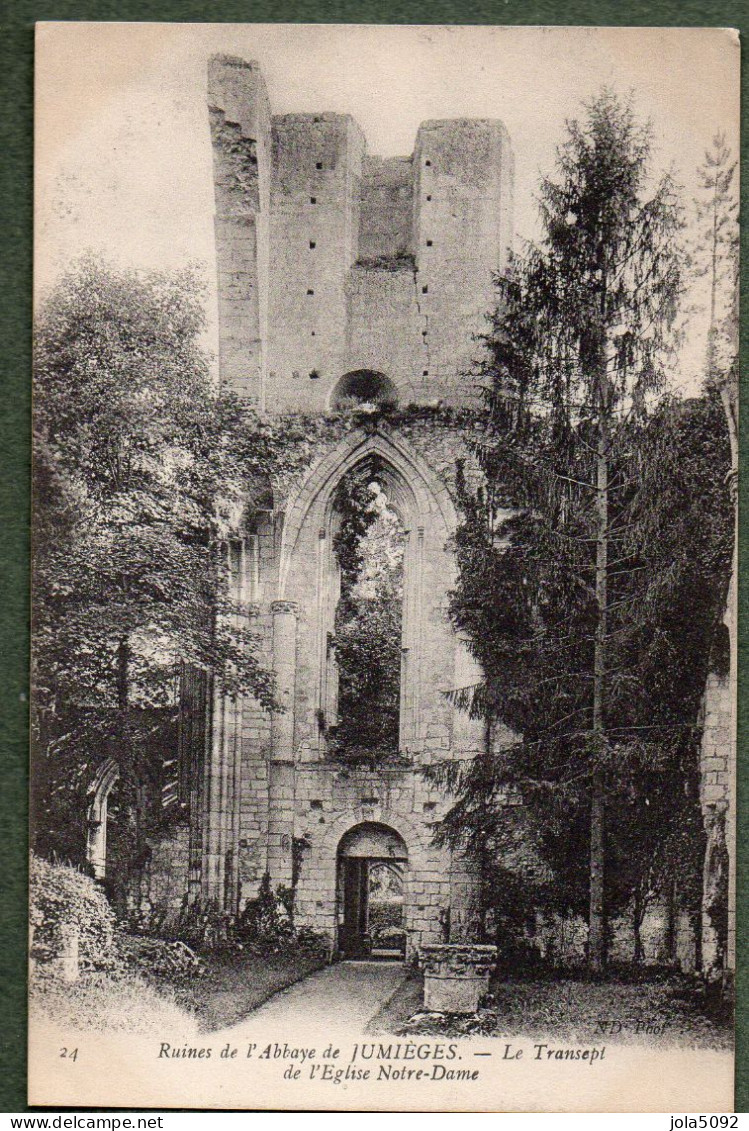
[(142, 471), (576, 356), (679, 540)]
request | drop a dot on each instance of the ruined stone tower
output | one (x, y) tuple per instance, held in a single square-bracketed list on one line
[(344, 277), (332, 262)]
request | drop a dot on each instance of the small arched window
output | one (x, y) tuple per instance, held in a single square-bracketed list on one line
[(363, 387)]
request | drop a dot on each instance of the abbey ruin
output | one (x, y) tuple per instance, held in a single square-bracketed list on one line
[(347, 278), (348, 283)]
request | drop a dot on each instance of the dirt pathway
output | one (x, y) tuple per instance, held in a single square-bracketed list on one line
[(338, 999)]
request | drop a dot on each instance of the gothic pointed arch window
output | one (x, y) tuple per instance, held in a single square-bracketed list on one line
[(309, 566), (365, 647)]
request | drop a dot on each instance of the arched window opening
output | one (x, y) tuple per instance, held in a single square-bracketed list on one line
[(367, 639), (103, 815), (364, 388)]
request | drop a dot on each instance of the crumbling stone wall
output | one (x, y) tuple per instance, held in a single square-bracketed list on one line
[(332, 260), (239, 115), (716, 792)]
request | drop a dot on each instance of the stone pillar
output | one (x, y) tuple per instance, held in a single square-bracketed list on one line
[(220, 785), (281, 764), (222, 777), (212, 877), (240, 123)]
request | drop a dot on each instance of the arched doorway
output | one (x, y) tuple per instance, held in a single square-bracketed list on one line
[(372, 869)]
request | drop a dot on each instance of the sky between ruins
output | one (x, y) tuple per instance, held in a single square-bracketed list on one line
[(123, 150)]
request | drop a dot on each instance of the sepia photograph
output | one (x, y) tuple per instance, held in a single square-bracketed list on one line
[(384, 598)]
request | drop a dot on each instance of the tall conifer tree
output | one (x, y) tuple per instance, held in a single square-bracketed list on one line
[(577, 351)]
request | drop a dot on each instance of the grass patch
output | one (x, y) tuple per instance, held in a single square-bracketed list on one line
[(234, 985), (97, 1001), (664, 1013), (230, 989)]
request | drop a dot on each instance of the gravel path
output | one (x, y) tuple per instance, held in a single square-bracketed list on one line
[(338, 999)]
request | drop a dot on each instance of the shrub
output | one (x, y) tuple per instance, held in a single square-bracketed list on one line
[(310, 941), (265, 923), (161, 958), (62, 897), (201, 924), (266, 926)]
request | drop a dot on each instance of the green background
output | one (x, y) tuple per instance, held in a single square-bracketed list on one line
[(16, 146)]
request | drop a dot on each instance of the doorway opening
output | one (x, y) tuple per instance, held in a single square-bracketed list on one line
[(372, 871)]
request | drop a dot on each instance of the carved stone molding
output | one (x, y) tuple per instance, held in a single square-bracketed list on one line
[(281, 607), (458, 960)]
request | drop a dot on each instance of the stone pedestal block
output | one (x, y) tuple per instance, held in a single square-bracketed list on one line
[(456, 976), (69, 953)]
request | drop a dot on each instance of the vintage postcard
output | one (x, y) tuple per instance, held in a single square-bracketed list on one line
[(384, 643)]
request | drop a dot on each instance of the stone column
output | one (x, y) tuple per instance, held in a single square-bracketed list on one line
[(220, 786), (215, 802), (222, 778), (469, 735), (281, 765)]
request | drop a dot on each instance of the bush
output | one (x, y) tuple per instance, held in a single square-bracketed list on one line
[(266, 927), (203, 925), (310, 941), (161, 958), (265, 923), (61, 897)]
